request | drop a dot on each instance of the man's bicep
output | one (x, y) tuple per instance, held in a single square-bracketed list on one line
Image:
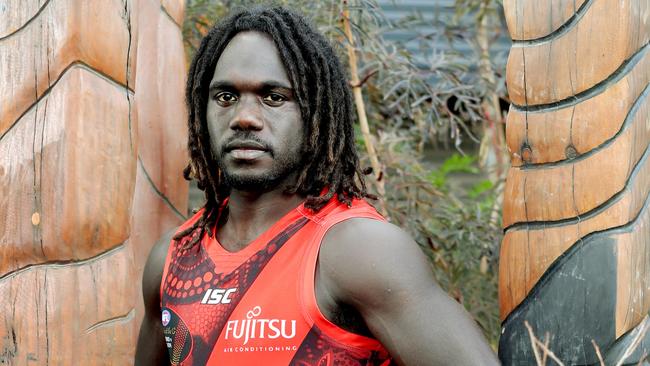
[(380, 270), (151, 348), (373, 264), (153, 272)]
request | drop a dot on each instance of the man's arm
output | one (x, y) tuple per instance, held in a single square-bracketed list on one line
[(151, 349), (379, 270)]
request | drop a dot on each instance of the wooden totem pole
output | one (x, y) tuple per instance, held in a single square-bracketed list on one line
[(575, 260), (92, 145)]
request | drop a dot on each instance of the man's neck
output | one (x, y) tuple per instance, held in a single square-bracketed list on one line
[(250, 214)]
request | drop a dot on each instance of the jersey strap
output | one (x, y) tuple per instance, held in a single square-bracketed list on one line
[(334, 344)]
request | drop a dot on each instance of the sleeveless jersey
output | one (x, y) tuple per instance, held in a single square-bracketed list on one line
[(258, 306)]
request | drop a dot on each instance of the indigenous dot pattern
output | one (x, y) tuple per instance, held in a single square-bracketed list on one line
[(317, 349), (178, 345), (192, 272)]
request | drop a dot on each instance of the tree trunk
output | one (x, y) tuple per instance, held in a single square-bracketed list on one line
[(92, 138), (575, 259)]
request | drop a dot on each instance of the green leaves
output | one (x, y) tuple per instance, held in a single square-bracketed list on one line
[(455, 164), (479, 188)]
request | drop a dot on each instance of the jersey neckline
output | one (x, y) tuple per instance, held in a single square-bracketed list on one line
[(215, 247)]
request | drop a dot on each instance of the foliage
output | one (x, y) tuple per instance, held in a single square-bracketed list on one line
[(456, 163), (414, 100), (452, 223)]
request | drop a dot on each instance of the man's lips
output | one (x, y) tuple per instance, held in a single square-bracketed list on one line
[(245, 145), (246, 154), (245, 149)]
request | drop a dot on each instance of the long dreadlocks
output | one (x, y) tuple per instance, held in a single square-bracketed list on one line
[(320, 82)]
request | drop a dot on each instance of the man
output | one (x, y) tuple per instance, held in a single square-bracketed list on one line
[(286, 264)]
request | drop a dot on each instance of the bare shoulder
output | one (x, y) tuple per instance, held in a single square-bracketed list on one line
[(365, 240), (379, 233), (158, 253), (362, 259), (153, 270)]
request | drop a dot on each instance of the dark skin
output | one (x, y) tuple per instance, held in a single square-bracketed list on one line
[(371, 277)]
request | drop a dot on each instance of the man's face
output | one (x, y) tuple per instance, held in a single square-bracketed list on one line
[(255, 125)]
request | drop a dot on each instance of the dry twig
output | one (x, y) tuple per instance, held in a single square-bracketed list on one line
[(600, 357), (536, 343), (361, 110), (533, 343)]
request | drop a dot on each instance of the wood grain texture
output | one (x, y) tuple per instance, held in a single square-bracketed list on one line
[(559, 63), (54, 156), (623, 343), (65, 32), (15, 14), (82, 313), (563, 191), (575, 259), (572, 131), (161, 194), (558, 13), (82, 210), (633, 276), (162, 128), (151, 217), (528, 252), (175, 9), (575, 303)]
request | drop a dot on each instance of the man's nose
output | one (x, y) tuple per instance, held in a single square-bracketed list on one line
[(248, 115)]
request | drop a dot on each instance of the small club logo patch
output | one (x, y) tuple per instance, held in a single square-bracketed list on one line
[(166, 317), (177, 336)]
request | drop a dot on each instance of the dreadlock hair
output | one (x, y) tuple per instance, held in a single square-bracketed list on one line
[(323, 96)]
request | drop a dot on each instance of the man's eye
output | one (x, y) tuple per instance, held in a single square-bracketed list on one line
[(225, 97), (274, 99)]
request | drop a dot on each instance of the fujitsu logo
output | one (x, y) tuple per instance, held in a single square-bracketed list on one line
[(253, 328), (218, 296)]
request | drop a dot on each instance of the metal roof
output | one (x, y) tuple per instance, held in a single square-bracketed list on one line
[(436, 13)]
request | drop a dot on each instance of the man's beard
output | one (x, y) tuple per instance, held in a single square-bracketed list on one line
[(284, 165)]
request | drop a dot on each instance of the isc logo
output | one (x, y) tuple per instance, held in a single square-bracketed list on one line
[(218, 296)]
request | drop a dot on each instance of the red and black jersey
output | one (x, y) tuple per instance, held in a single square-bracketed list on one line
[(257, 306)]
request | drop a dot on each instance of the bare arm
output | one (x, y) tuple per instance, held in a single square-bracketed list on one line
[(378, 269), (151, 349)]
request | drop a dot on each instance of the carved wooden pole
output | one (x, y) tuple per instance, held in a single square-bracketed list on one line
[(92, 134), (575, 260)]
